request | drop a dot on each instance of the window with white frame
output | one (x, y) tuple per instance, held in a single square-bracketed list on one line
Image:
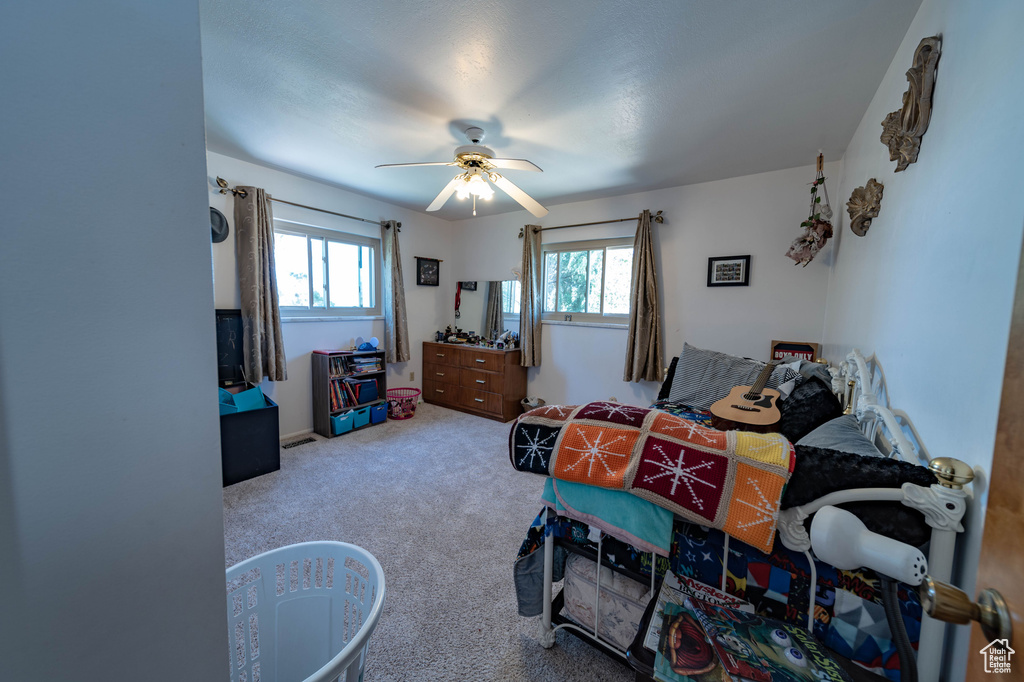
[(588, 281), (325, 273), (511, 290)]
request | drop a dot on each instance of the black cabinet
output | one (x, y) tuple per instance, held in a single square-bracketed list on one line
[(250, 443)]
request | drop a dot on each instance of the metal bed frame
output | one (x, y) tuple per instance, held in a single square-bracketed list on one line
[(943, 505)]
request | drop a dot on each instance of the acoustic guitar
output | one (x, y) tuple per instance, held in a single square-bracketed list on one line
[(752, 408)]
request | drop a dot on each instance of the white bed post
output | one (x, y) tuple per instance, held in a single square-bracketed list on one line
[(547, 634)]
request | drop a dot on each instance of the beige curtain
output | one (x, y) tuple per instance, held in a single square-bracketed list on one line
[(262, 343), (493, 319), (643, 345), (396, 329), (531, 298)]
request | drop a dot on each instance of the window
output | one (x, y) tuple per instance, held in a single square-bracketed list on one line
[(323, 273), (511, 290), (588, 281)]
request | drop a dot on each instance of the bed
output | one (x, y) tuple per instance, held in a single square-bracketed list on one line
[(896, 489)]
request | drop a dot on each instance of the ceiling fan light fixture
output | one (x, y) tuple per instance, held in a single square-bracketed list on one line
[(474, 185)]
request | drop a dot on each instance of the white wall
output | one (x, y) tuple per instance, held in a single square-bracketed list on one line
[(755, 214), (421, 235), (930, 288), (111, 538)]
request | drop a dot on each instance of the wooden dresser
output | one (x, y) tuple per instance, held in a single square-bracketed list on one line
[(481, 381)]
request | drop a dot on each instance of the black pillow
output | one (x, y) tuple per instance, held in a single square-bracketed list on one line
[(810, 405), (820, 471), (666, 385)]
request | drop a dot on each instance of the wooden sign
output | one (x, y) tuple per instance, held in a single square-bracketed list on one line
[(798, 349)]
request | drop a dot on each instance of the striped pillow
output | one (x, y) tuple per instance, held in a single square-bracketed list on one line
[(704, 376)]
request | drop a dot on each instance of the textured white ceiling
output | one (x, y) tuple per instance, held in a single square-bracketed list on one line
[(607, 97)]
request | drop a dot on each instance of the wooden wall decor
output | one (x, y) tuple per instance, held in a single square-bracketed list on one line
[(902, 129), (863, 206)]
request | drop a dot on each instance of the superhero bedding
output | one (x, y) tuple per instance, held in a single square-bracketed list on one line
[(597, 483)]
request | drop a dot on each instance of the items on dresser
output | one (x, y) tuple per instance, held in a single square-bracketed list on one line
[(482, 381), (348, 390)]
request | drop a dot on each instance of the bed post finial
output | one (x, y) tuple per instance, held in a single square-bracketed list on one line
[(951, 472)]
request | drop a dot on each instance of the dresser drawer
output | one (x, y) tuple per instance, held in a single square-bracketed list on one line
[(442, 355), (437, 392), (483, 381), (441, 373), (481, 359), (475, 399)]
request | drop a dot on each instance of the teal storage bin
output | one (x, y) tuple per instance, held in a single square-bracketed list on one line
[(343, 423), (378, 413), (250, 400), (362, 417), (227, 402)]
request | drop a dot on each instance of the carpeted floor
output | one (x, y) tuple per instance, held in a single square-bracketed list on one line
[(435, 499)]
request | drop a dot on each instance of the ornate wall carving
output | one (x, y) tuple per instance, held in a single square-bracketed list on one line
[(902, 129), (863, 206)]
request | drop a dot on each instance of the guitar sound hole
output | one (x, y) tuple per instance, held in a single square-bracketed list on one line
[(751, 396)]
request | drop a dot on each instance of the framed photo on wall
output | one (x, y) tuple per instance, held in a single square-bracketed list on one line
[(428, 271), (729, 271), (469, 286)]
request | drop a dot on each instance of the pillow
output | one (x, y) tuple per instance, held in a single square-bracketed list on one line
[(250, 400), (666, 385), (704, 376), (820, 471), (811, 404), (842, 434)]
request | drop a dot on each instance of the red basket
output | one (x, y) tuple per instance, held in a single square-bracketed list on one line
[(402, 402)]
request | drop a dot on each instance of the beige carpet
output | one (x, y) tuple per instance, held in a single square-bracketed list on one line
[(435, 499)]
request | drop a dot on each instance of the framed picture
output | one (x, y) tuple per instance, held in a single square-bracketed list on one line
[(469, 286), (428, 271), (804, 350), (729, 271)]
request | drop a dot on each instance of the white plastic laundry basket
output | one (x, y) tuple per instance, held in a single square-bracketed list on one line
[(303, 612)]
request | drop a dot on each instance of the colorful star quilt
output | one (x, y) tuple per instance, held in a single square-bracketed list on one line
[(730, 480)]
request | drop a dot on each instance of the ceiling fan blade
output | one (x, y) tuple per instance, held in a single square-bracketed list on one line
[(519, 195), (428, 163), (448, 190), (515, 164)]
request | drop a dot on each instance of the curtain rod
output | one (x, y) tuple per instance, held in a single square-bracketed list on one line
[(657, 217), (224, 189)]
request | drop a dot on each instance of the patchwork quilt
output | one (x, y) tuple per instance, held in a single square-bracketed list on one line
[(732, 481)]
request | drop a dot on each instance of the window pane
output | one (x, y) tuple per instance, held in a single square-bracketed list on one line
[(316, 246), (572, 281), (550, 279), (594, 293), (365, 277), (343, 266), (511, 291), (291, 266), (618, 272)]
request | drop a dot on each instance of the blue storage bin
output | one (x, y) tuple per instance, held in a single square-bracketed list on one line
[(343, 423), (362, 416), (227, 402), (378, 413)]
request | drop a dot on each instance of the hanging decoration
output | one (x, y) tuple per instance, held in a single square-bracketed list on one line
[(864, 205), (903, 129), (817, 229)]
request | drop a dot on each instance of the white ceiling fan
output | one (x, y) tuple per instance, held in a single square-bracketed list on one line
[(479, 166)]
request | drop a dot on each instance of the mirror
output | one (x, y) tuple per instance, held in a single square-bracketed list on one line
[(498, 299)]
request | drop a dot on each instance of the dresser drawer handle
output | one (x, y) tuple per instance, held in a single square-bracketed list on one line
[(440, 374), (440, 355), (438, 390), (479, 400), (480, 381), (480, 360)]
